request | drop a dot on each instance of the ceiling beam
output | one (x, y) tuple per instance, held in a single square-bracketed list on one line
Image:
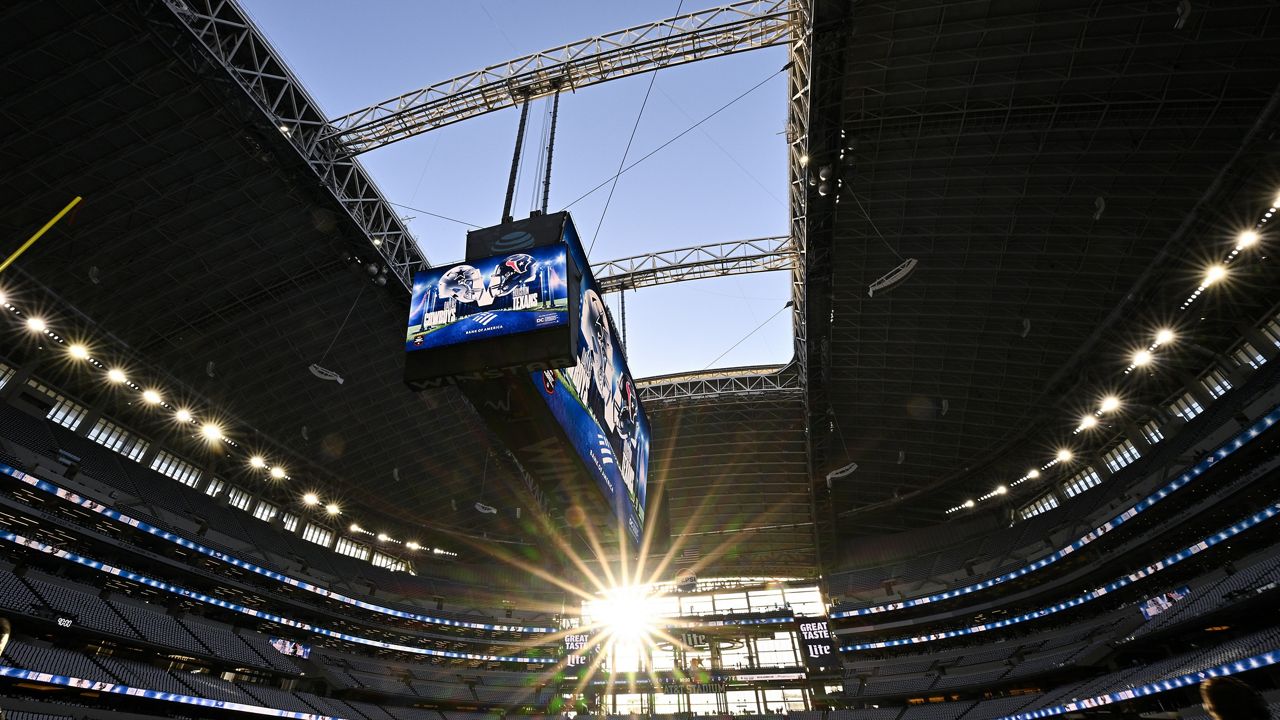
[(714, 32), (766, 381), (738, 257)]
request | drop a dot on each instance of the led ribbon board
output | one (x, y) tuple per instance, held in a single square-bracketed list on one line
[(1186, 478), (180, 591), (1222, 535), (116, 515)]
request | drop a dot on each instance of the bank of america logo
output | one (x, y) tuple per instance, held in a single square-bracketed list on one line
[(485, 318)]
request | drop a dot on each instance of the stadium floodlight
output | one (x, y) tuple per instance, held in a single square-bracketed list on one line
[(1064, 455), (310, 499), (1032, 474), (116, 375), (1087, 422), (1164, 336), (277, 472), (1002, 490), (1142, 357), (78, 351), (258, 462), (211, 432), (1246, 239), (413, 545), (382, 537), (968, 503), (152, 397), (183, 415), (333, 509), (355, 528), (1110, 403), (35, 324), (1214, 274)]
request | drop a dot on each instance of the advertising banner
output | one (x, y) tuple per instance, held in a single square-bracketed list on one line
[(815, 643)]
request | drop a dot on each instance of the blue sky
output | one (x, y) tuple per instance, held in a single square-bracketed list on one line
[(723, 181)]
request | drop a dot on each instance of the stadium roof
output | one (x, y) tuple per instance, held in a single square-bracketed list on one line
[(1061, 172)]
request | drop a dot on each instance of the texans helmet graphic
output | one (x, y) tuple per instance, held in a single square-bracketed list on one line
[(511, 273)]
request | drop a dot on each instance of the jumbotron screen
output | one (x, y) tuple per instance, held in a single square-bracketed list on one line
[(596, 403), (498, 296)]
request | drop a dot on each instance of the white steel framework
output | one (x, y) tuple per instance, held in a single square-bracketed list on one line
[(682, 39), (695, 263), (236, 46), (773, 381)]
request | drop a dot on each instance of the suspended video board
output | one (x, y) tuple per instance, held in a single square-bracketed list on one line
[(522, 329)]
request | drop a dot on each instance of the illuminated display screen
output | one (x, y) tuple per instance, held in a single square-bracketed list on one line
[(1157, 604), (1176, 484), (499, 296), (597, 405), (285, 646)]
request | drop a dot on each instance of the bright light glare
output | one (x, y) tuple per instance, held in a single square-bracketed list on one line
[(1064, 455), (1088, 421), (332, 508), (36, 324), (1002, 490), (1246, 239), (382, 537), (257, 461), (182, 416), (277, 472), (116, 375), (211, 431), (413, 545), (1109, 403), (1142, 357), (626, 614), (968, 503), (79, 351), (1032, 474), (310, 499), (152, 397), (355, 527), (1214, 274), (1165, 336)]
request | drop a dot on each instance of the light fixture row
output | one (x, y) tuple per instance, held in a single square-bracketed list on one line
[(1213, 275), (210, 429)]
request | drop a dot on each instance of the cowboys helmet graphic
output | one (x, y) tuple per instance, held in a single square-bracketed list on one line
[(595, 322), (511, 273), (463, 283)]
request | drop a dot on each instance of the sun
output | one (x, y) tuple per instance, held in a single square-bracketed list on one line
[(626, 615)]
